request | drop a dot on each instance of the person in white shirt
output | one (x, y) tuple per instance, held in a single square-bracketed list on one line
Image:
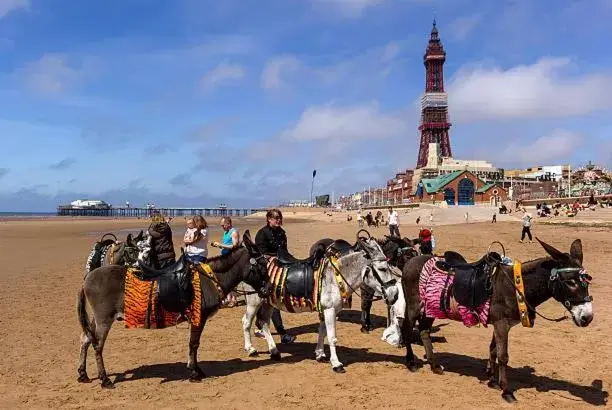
[(527, 217), (393, 218), (196, 239)]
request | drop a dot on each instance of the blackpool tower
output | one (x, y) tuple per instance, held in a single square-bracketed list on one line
[(434, 104)]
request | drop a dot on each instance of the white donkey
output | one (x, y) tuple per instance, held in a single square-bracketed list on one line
[(339, 276)]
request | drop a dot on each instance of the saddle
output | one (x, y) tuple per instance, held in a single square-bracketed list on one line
[(340, 247), (299, 281), (472, 284), (175, 288)]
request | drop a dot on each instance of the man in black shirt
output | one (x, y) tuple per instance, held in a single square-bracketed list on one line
[(269, 240)]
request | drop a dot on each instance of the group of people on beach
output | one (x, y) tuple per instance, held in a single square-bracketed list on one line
[(270, 239)]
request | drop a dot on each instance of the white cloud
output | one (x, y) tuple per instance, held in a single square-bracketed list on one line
[(7, 6), (52, 74), (358, 122), (461, 27), (348, 8), (541, 90), (271, 77), (223, 74), (556, 147)]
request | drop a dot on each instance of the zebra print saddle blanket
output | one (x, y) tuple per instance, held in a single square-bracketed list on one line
[(435, 291)]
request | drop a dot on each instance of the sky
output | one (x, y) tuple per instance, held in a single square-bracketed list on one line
[(196, 102)]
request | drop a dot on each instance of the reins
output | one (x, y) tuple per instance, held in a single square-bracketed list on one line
[(373, 299), (531, 308), (516, 288)]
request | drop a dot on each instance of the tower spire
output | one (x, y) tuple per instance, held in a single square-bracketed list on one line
[(435, 124)]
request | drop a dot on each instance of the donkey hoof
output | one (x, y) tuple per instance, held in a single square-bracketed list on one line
[(322, 359), (364, 330), (493, 384), (83, 378), (253, 353), (509, 397), (339, 369), (275, 356), (437, 369), (107, 384), (197, 376), (413, 367)]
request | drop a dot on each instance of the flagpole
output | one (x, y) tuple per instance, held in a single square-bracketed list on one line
[(314, 173)]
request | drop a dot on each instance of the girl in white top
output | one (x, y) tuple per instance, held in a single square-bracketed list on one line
[(196, 239)]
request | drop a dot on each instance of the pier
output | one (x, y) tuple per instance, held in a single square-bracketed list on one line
[(68, 210)]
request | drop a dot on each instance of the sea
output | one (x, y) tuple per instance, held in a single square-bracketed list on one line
[(11, 214)]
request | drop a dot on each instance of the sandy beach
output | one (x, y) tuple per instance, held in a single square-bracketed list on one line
[(552, 365)]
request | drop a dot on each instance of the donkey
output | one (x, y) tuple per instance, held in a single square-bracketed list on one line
[(104, 289), (109, 251), (559, 276), (397, 250), (362, 263)]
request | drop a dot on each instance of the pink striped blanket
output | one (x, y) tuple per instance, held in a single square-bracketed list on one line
[(432, 284)]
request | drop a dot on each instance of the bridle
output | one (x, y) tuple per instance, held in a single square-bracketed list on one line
[(560, 277), (369, 269), (255, 262)]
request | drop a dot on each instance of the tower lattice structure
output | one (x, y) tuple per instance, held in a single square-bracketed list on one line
[(435, 123)]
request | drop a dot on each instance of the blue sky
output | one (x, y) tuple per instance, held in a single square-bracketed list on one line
[(191, 102)]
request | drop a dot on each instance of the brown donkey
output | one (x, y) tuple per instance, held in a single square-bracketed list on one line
[(560, 276), (104, 290)]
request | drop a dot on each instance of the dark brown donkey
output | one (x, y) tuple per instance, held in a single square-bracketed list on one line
[(560, 276), (103, 288)]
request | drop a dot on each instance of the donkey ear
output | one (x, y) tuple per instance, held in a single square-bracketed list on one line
[(248, 243), (129, 238), (576, 250), (140, 236), (553, 252)]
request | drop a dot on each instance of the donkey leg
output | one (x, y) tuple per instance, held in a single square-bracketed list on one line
[(492, 365), (330, 324), (265, 314), (425, 329), (101, 332), (407, 326), (85, 343), (247, 324), (501, 330), (320, 350), (194, 343)]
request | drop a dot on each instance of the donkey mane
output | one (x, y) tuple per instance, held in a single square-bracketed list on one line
[(222, 263)]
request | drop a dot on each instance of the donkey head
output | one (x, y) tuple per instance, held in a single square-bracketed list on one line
[(377, 274), (257, 275), (569, 282)]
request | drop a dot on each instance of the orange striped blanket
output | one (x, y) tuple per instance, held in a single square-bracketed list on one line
[(141, 310)]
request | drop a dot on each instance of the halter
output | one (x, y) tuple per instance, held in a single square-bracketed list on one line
[(369, 268), (558, 277)]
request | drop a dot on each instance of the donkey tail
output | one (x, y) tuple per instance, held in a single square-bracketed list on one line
[(83, 319)]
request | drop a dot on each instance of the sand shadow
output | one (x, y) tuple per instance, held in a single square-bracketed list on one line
[(293, 353), (524, 377)]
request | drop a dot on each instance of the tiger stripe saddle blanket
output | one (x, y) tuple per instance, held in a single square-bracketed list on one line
[(142, 307), (435, 291), (298, 286)]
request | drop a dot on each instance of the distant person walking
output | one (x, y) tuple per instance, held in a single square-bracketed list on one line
[(393, 223), (494, 220), (526, 219), (359, 219)]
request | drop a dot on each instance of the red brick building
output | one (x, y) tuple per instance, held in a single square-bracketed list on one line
[(400, 187), (459, 188)]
